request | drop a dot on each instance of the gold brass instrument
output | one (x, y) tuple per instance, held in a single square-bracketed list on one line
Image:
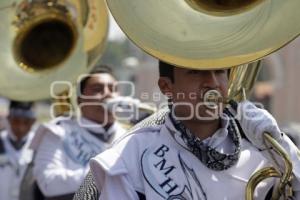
[(242, 79), (227, 33), (283, 190), (211, 34), (48, 41)]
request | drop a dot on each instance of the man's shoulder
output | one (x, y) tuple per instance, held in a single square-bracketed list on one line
[(147, 129), (132, 143), (124, 156), (145, 134), (58, 125), (53, 130), (60, 120)]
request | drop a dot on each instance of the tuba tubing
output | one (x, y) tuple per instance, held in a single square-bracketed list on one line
[(283, 188)]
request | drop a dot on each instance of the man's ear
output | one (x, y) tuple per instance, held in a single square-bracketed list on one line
[(166, 86)]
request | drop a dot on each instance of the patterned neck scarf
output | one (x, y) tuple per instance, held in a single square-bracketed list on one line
[(209, 156)]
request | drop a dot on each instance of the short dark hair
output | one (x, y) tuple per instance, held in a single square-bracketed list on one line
[(20, 105), (98, 69), (166, 70), (21, 109)]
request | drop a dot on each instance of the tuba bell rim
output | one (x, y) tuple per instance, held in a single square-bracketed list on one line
[(27, 26), (184, 52)]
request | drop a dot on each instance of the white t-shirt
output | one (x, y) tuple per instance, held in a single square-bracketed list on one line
[(63, 150), (13, 164), (156, 163)]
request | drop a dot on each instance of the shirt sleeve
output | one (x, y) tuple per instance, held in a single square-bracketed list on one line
[(111, 177), (50, 171)]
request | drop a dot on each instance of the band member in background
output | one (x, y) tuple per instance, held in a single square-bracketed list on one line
[(64, 146), (14, 152), (199, 147)]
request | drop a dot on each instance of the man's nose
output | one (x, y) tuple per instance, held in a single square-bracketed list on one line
[(211, 80), (107, 92)]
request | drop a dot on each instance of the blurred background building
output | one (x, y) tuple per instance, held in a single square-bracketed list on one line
[(277, 84)]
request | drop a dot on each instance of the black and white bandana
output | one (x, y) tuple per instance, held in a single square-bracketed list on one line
[(209, 156)]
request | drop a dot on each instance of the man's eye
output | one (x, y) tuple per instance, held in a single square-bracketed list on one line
[(97, 89), (111, 88)]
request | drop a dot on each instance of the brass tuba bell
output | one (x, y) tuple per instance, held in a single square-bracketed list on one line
[(43, 41), (208, 34)]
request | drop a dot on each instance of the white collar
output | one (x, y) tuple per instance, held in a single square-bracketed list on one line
[(95, 127), (219, 137)]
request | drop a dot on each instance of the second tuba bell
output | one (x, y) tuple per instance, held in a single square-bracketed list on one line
[(43, 41)]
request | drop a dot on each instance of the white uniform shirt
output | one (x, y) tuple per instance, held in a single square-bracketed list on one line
[(13, 165), (154, 163), (63, 149)]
